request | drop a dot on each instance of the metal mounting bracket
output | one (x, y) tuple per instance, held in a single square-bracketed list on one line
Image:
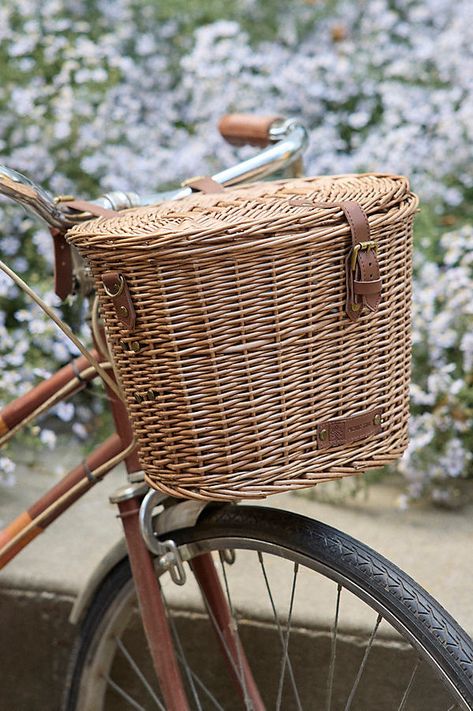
[(167, 551)]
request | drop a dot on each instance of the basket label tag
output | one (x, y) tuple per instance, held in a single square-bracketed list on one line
[(338, 432)]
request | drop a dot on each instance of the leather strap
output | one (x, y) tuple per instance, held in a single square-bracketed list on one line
[(117, 290), (63, 275), (362, 267), (204, 184), (84, 206), (367, 288), (63, 267)]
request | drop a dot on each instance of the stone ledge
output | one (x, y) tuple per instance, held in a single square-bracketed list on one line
[(38, 588)]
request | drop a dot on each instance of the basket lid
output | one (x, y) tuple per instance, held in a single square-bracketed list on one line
[(248, 216)]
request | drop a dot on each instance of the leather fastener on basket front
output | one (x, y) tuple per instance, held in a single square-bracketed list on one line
[(362, 267), (117, 290)]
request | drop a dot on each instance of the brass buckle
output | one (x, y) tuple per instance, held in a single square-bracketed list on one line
[(63, 198), (362, 246), (120, 287)]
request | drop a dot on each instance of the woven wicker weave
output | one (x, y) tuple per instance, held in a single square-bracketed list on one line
[(244, 343)]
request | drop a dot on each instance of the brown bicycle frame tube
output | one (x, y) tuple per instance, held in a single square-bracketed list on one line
[(123, 428), (122, 421), (22, 407), (23, 528), (153, 612), (57, 499), (206, 575)]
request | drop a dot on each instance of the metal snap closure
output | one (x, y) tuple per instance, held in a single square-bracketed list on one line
[(118, 288), (377, 419), (123, 311), (355, 307), (323, 435)]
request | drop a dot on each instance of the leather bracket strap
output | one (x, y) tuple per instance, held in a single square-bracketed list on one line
[(362, 267), (203, 184), (117, 289), (63, 273), (63, 265), (90, 207)]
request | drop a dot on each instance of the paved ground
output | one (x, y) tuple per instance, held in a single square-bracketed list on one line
[(38, 588)]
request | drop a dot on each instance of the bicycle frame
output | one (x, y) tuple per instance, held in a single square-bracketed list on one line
[(68, 381), (119, 447)]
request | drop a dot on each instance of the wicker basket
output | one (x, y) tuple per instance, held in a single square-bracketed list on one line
[(261, 335)]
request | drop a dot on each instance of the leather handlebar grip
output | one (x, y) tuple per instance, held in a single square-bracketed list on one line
[(243, 129)]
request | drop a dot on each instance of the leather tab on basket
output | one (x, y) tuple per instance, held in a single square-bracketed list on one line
[(338, 432), (84, 206), (63, 279), (117, 289), (204, 184), (362, 266)]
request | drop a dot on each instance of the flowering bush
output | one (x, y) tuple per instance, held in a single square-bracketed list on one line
[(441, 443), (99, 95)]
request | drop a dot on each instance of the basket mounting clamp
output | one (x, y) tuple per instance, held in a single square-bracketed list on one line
[(167, 551)]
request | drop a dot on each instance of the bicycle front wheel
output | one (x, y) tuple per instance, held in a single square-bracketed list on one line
[(324, 621)]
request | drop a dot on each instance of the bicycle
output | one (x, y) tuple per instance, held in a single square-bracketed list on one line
[(176, 545)]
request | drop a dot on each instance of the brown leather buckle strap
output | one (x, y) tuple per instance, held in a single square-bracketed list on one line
[(63, 266), (117, 289), (362, 266)]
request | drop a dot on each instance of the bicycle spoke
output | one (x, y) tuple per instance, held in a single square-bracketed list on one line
[(278, 625), (205, 689), (363, 663), (139, 673), (220, 634), (248, 705), (183, 659), (286, 642), (333, 652), (410, 684), (193, 677), (123, 694)]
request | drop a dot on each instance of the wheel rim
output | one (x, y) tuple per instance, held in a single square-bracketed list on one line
[(97, 683)]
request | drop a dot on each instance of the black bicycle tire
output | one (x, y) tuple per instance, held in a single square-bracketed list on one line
[(366, 570)]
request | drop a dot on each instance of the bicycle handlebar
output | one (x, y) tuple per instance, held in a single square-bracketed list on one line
[(31, 195), (288, 139), (246, 129)]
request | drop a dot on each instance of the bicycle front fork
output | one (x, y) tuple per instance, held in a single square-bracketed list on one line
[(130, 500)]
